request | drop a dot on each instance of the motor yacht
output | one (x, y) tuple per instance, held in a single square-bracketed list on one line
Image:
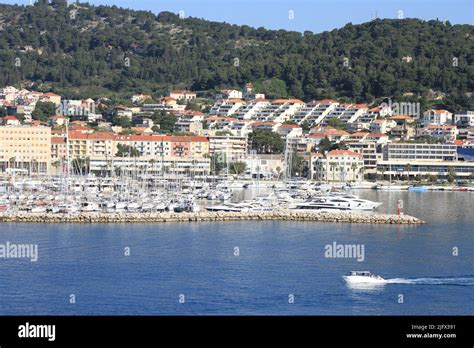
[(336, 202)]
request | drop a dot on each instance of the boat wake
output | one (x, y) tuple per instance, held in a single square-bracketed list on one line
[(461, 281)]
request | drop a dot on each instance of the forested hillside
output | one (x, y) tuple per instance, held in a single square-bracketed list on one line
[(87, 49)]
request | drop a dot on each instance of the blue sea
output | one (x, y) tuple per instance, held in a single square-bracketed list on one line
[(248, 268)]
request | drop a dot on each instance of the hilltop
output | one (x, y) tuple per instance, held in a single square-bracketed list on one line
[(85, 50)]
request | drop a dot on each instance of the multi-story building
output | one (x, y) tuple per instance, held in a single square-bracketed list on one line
[(447, 133), (290, 130), (249, 109), (25, 148), (234, 147), (371, 154), (465, 119), (279, 110), (381, 125), (338, 165), (265, 166), (417, 151), (189, 125), (437, 118), (58, 148), (226, 107), (419, 168), (169, 167), (315, 112), (405, 128)]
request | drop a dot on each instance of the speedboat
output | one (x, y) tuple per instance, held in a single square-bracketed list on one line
[(356, 277)]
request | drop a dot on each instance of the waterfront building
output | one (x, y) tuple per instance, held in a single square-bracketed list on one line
[(420, 151), (371, 153), (168, 167), (261, 166), (25, 148), (417, 169), (338, 166)]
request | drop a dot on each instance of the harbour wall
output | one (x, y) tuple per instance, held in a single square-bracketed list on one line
[(284, 215)]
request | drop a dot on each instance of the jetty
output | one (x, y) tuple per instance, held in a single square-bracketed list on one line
[(205, 216)]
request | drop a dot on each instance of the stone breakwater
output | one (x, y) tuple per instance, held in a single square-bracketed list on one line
[(286, 215)]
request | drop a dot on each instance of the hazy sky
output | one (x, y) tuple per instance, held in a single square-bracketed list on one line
[(314, 15)]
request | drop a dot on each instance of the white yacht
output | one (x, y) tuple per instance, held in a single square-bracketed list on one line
[(356, 277), (338, 203)]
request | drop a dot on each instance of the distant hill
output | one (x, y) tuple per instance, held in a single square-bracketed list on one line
[(85, 49)]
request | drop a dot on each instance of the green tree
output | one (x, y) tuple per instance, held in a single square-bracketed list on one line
[(217, 163), (326, 145), (264, 141), (451, 175), (238, 168), (299, 166), (165, 121), (272, 88), (43, 110), (306, 126)]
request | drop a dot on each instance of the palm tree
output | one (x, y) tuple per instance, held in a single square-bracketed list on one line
[(332, 165), (353, 167), (12, 162), (362, 172), (408, 169)]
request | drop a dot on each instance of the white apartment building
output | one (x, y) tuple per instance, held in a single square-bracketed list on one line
[(437, 118)]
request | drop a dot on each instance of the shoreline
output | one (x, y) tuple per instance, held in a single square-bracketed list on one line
[(283, 215)]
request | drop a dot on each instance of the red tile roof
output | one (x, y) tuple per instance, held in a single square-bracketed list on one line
[(281, 101), (9, 118), (344, 152)]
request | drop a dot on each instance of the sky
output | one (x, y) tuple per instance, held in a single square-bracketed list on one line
[(301, 15)]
